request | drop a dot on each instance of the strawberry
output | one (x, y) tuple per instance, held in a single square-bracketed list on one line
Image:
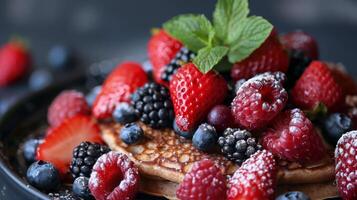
[(162, 48), (345, 80), (346, 165), (255, 179), (118, 87), (270, 56), (67, 104), (194, 94), (316, 85), (302, 41), (14, 63), (58, 145)]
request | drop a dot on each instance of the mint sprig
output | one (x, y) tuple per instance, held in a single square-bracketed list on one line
[(233, 33)]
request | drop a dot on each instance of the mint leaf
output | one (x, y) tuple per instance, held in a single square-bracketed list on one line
[(194, 31), (251, 34), (208, 57), (228, 16)]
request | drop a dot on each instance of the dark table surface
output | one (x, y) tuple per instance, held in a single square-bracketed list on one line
[(120, 29)]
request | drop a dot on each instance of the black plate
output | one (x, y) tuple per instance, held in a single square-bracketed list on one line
[(27, 118)]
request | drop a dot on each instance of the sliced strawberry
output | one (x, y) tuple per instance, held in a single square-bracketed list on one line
[(58, 145), (118, 87)]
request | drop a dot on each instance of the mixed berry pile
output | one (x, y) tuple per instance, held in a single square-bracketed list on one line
[(278, 102)]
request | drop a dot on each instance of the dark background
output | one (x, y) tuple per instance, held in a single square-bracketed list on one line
[(99, 30)]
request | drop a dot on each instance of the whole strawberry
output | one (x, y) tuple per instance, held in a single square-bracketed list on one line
[(346, 165), (258, 101), (162, 48), (118, 87), (67, 104), (204, 181), (316, 85), (194, 94), (302, 41), (270, 56), (292, 137), (255, 179), (14, 63)]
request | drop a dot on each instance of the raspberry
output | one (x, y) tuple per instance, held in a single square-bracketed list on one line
[(258, 101), (203, 181), (316, 85), (293, 137), (114, 177), (255, 179), (66, 105), (346, 165)]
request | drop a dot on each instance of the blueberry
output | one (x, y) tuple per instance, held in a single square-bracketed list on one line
[(40, 79), (334, 126), (60, 57), (43, 176), (295, 195), (92, 95), (184, 134), (205, 138), (220, 117), (29, 150), (124, 113), (131, 133), (80, 188)]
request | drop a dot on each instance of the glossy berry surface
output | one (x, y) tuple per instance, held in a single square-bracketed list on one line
[(334, 126), (124, 113), (131, 133), (43, 176), (238, 145), (293, 137), (258, 101), (299, 40), (255, 179), (114, 177), (184, 134), (205, 138), (66, 105), (346, 165), (294, 195), (30, 149), (152, 103), (84, 157), (203, 181), (80, 188), (297, 65), (61, 57), (220, 117)]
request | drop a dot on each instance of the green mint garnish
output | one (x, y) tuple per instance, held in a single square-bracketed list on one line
[(233, 33)]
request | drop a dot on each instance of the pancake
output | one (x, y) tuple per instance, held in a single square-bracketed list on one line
[(165, 158)]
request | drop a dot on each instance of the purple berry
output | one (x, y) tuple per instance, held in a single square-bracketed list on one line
[(220, 117)]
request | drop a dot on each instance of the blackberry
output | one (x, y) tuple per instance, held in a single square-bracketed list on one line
[(238, 145), (152, 103), (182, 57), (298, 63), (84, 157)]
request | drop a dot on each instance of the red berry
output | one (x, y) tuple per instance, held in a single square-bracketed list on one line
[(114, 177), (345, 80), (14, 63), (58, 145), (292, 137), (162, 48), (270, 56), (194, 94), (316, 85), (67, 104), (203, 181), (346, 165), (220, 117), (258, 101), (118, 87), (302, 41), (255, 179)]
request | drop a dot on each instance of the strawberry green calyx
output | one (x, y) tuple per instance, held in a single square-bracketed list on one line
[(233, 34)]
